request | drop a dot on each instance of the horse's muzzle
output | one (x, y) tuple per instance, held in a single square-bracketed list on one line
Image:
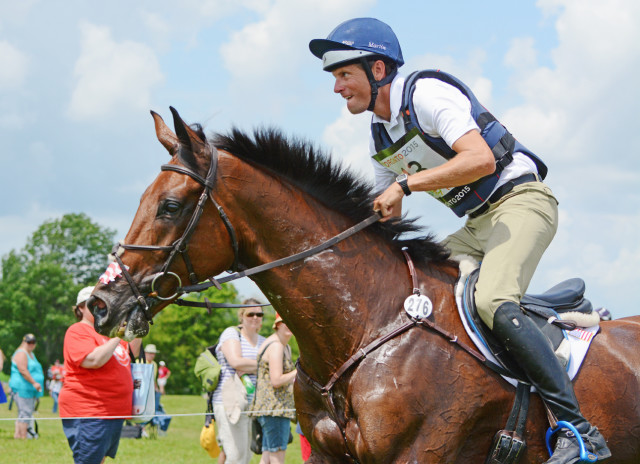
[(127, 321)]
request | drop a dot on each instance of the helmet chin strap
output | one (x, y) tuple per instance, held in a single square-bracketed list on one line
[(375, 85)]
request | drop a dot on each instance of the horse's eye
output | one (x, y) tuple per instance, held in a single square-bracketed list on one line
[(169, 207)]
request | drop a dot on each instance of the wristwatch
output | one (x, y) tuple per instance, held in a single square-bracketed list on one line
[(402, 180)]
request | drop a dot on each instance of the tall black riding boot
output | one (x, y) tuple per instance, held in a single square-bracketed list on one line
[(533, 352)]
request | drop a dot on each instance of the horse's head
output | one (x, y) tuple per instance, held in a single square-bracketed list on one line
[(165, 244)]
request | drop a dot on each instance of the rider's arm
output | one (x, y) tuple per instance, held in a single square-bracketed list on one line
[(443, 111), (474, 160)]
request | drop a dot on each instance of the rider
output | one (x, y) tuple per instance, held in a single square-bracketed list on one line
[(448, 145)]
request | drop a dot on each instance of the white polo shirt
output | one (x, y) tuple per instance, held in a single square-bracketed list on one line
[(443, 111)]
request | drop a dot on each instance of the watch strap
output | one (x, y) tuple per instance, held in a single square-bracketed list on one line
[(404, 185)]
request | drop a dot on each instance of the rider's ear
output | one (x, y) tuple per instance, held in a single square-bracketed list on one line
[(379, 70)]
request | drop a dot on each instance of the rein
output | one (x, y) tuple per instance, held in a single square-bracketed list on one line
[(180, 247)]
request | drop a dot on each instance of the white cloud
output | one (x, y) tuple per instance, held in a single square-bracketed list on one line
[(111, 76), (13, 121), (168, 22), (522, 55), (590, 90), (347, 137), (13, 66), (600, 248), (16, 12), (276, 43), (469, 71)]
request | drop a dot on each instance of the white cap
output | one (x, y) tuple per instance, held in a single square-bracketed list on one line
[(150, 348), (83, 295)]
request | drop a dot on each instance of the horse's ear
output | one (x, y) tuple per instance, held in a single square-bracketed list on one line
[(193, 147), (166, 137)]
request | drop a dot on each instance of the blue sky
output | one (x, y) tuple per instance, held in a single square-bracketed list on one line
[(77, 81)]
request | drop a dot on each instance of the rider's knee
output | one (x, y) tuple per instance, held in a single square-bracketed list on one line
[(487, 305)]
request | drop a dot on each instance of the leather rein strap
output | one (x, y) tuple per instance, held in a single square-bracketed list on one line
[(289, 259)]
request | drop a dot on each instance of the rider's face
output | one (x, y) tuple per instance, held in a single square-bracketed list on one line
[(352, 84)]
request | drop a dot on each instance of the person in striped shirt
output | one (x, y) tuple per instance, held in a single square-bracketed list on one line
[(236, 352)]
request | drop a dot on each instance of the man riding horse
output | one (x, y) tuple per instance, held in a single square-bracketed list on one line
[(430, 134)]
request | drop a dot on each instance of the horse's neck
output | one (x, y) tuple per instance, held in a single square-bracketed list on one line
[(335, 301), (328, 300), (325, 299)]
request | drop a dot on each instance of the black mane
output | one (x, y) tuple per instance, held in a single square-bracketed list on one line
[(336, 187)]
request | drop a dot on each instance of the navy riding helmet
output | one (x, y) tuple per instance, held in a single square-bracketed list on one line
[(354, 41)]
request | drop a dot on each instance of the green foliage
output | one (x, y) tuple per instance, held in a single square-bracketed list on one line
[(75, 243), (40, 282)]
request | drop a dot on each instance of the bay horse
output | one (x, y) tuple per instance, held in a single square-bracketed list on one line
[(417, 397)]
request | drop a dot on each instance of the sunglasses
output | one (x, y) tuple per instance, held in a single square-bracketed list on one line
[(31, 343), (254, 314)]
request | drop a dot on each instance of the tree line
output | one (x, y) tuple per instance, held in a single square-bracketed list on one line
[(39, 284)]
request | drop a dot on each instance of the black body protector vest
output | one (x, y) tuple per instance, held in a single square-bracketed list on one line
[(410, 153)]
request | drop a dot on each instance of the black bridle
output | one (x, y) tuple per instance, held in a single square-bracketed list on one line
[(180, 247)]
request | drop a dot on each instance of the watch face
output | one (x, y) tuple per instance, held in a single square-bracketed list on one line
[(401, 177)]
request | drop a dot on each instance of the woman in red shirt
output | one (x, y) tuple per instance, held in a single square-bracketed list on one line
[(98, 384)]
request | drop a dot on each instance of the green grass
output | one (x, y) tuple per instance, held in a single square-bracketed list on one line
[(180, 445)]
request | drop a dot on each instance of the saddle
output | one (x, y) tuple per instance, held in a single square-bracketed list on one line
[(562, 307)]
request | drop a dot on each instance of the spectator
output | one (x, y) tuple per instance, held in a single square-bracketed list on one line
[(150, 352), (163, 375), (98, 384), (236, 353), (305, 446), (3, 396), (274, 393), (27, 378), (55, 383)]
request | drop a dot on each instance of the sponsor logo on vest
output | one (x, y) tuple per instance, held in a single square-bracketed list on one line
[(459, 196)]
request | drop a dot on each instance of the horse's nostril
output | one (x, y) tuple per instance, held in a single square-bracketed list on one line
[(97, 307)]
